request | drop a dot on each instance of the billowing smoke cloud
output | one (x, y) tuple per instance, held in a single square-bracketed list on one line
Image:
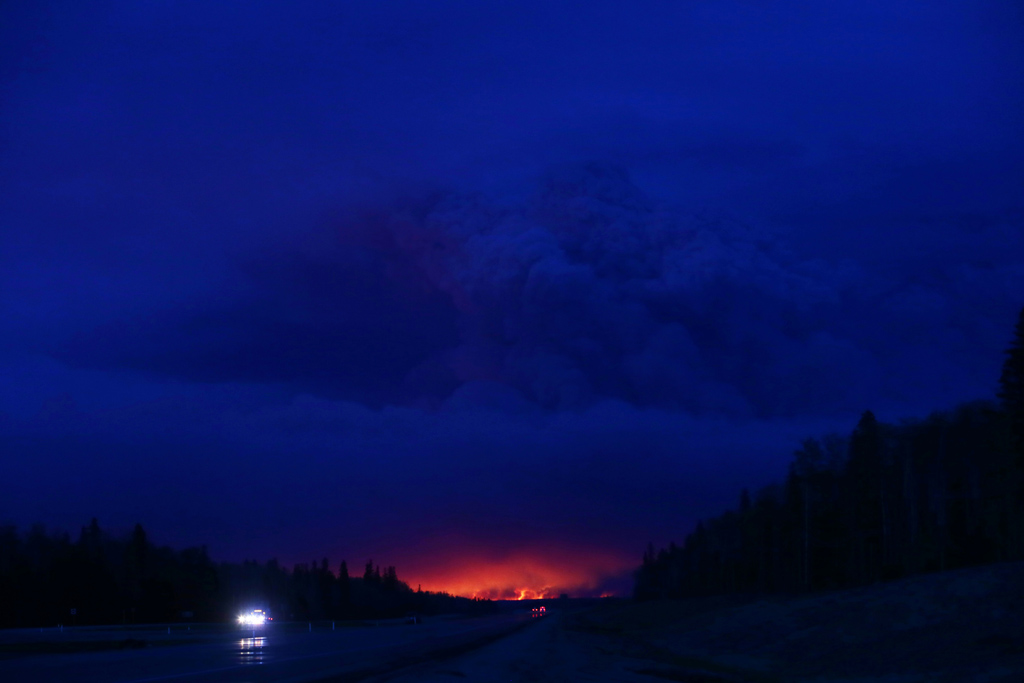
[(592, 290), (588, 290)]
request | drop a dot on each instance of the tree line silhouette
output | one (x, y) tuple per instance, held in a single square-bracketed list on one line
[(887, 501), (108, 580)]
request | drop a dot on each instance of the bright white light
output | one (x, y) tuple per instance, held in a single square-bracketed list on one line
[(255, 618)]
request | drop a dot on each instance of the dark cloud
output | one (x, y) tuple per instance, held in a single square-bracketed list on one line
[(589, 290), (337, 325)]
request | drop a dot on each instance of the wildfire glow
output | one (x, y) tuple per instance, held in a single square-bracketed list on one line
[(528, 575)]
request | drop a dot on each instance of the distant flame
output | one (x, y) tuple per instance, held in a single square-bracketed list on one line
[(526, 576)]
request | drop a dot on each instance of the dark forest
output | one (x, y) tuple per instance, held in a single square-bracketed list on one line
[(106, 580), (888, 501)]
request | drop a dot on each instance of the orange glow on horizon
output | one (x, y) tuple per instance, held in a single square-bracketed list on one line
[(528, 575)]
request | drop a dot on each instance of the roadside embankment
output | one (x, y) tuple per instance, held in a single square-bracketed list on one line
[(963, 625)]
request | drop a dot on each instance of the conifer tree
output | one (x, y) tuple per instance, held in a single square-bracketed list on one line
[(1011, 387), (344, 588), (864, 475)]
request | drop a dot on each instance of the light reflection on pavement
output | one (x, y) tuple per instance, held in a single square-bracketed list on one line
[(250, 650)]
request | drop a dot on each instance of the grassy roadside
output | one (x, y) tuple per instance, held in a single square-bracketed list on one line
[(961, 625), (625, 630)]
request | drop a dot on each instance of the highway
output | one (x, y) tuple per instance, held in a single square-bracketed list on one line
[(284, 653)]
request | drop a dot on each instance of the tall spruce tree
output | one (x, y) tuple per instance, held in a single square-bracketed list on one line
[(1011, 387), (864, 475), (344, 588)]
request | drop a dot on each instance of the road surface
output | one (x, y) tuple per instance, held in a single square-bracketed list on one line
[(281, 653)]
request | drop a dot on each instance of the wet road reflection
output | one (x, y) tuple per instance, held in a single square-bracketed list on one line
[(250, 650)]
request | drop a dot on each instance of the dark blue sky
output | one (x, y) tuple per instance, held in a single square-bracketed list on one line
[(528, 283)]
